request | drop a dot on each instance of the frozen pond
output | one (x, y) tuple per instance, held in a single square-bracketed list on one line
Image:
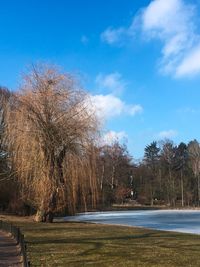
[(185, 221)]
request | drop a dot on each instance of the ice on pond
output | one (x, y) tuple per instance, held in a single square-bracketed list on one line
[(185, 221)]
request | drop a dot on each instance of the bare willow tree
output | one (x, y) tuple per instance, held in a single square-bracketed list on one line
[(51, 131)]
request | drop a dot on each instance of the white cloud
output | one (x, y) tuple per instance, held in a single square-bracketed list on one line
[(108, 106), (190, 64), (168, 134), (172, 22), (112, 136), (113, 82)]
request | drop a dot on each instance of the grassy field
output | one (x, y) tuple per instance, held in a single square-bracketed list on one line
[(83, 244)]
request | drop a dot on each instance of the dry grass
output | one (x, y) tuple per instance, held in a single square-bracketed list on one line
[(83, 244)]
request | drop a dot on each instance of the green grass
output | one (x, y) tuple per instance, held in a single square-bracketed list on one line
[(82, 244)]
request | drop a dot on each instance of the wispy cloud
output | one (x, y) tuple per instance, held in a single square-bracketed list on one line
[(112, 82), (113, 136), (84, 39), (109, 106), (113, 36), (172, 22), (167, 134), (190, 64), (187, 110)]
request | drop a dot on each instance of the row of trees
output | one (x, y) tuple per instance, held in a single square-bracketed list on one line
[(169, 174), (50, 160)]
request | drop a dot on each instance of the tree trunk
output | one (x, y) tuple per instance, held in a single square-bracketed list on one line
[(170, 187), (112, 179), (182, 197), (49, 213), (49, 216), (198, 184), (102, 177), (39, 217), (173, 193), (151, 193)]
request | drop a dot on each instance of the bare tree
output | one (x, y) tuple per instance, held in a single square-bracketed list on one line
[(51, 131), (114, 168), (194, 157), (168, 161)]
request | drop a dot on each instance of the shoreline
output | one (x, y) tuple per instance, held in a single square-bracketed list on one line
[(129, 207)]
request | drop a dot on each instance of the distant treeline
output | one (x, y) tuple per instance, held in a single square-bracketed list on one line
[(169, 175)]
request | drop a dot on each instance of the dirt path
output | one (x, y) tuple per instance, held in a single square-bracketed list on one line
[(9, 251)]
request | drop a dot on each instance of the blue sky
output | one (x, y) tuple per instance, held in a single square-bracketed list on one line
[(139, 59)]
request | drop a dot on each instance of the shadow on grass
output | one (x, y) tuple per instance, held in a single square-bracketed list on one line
[(150, 238), (82, 240), (97, 243)]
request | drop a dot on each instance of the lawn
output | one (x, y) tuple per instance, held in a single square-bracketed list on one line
[(83, 244)]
